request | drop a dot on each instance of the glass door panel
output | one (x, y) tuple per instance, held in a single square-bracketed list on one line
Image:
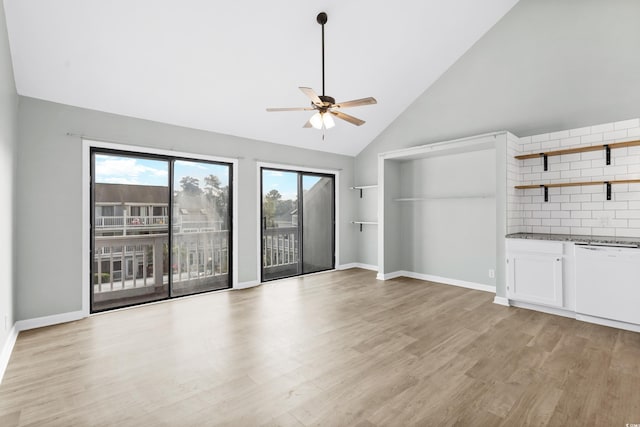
[(201, 238), (317, 224), (297, 232), (280, 231), (128, 247)]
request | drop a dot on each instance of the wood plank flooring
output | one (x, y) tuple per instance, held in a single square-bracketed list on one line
[(334, 349)]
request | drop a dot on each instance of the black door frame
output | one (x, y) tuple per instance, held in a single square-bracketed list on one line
[(300, 175), (170, 159)]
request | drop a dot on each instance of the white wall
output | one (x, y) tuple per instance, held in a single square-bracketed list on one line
[(49, 209), (8, 149)]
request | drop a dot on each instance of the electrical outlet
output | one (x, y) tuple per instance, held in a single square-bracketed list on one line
[(492, 273)]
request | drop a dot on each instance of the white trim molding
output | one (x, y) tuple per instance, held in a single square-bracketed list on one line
[(7, 349), (437, 279), (357, 265), (41, 322), (247, 285), (501, 301)]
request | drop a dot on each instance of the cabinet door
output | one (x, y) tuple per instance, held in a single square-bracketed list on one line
[(535, 278)]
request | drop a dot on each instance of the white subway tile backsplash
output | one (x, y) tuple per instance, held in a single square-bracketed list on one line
[(576, 209), (566, 174), (609, 205), (570, 206), (555, 143), (606, 127), (544, 137), (627, 232), (628, 214), (612, 136), (541, 214), (581, 231), (580, 131), (591, 139), (561, 230), (626, 124), (570, 222), (580, 197), (633, 132), (591, 172), (580, 214), (592, 206), (583, 164), (534, 147)]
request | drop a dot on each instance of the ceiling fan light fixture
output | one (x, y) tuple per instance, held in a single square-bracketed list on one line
[(328, 121), (316, 121)]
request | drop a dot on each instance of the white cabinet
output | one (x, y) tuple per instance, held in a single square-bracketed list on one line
[(534, 272)]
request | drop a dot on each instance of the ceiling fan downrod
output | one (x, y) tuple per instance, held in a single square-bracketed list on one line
[(322, 19)]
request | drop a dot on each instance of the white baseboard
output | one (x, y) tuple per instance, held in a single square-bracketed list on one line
[(40, 322), (607, 322), (501, 301), (357, 265), (246, 285), (544, 309), (7, 348), (448, 281), (391, 275)]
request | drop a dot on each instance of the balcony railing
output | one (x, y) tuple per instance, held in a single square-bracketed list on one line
[(138, 261), (280, 246), (124, 223)]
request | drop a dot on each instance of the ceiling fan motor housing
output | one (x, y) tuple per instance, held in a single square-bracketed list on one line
[(327, 100)]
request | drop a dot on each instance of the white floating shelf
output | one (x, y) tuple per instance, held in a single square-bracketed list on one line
[(421, 199)]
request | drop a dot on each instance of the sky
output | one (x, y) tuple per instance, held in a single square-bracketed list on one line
[(112, 169), (285, 182)]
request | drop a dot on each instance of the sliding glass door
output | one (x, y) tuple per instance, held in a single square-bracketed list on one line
[(142, 205), (297, 223)]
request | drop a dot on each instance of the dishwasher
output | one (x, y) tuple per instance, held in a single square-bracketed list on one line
[(608, 281)]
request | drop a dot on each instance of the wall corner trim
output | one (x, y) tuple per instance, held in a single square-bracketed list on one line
[(357, 265), (501, 301), (5, 355), (246, 285), (40, 322)]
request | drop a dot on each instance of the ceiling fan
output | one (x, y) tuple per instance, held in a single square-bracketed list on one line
[(326, 106)]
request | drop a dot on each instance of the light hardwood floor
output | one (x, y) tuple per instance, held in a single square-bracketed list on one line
[(334, 349)]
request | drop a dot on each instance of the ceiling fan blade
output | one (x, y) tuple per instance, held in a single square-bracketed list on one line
[(290, 109), (357, 102), (312, 95), (353, 120), (308, 124)]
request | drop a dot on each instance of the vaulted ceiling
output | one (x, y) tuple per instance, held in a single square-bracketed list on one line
[(217, 65)]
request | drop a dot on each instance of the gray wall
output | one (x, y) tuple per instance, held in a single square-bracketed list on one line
[(49, 177), (8, 149), (547, 65), (452, 233)]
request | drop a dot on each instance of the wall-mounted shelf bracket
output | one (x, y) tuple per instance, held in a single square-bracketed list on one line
[(607, 151), (361, 223), (608, 184), (546, 193), (545, 157), (362, 187)]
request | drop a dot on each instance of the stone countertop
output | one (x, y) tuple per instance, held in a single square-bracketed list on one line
[(591, 240)]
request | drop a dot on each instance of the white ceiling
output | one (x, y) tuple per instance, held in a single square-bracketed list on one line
[(216, 65)]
